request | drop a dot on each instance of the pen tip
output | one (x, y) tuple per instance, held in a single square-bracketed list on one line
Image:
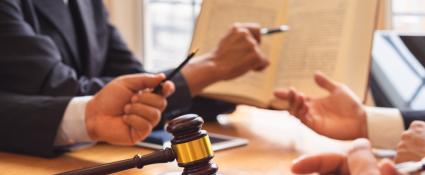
[(195, 50)]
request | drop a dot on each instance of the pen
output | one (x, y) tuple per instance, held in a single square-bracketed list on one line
[(158, 88), (269, 31)]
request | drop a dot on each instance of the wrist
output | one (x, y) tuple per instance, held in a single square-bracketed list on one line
[(363, 122), (201, 73), (90, 119)]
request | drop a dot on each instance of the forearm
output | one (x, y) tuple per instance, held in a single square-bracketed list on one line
[(201, 74)]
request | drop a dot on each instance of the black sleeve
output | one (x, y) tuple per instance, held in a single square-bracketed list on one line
[(411, 115), (31, 63), (31, 104), (28, 123)]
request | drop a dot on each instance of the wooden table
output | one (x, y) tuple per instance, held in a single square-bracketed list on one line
[(275, 140)]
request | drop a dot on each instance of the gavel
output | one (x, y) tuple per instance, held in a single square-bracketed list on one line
[(191, 147)]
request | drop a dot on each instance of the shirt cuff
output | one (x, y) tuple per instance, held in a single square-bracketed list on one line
[(72, 129), (384, 126)]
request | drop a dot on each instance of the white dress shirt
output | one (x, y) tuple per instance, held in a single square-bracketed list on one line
[(72, 129)]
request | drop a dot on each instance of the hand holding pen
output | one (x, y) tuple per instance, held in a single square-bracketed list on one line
[(263, 31), (158, 88)]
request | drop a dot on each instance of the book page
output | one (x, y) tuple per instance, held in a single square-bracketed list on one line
[(216, 17), (322, 38)]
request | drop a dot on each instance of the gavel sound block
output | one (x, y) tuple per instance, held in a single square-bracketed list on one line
[(191, 147)]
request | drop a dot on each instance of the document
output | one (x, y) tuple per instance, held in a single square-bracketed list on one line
[(332, 36)]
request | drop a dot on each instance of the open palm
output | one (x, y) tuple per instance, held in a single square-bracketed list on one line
[(339, 115)]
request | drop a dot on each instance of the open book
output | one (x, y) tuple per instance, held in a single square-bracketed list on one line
[(333, 36)]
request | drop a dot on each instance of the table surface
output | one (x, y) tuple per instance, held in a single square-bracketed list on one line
[(275, 139)]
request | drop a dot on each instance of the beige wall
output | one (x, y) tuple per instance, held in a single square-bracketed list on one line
[(126, 15)]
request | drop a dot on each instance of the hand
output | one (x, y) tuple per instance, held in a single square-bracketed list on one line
[(412, 144), (339, 115), (359, 161), (112, 118), (237, 53)]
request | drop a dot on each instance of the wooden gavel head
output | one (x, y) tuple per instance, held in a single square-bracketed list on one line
[(191, 145)]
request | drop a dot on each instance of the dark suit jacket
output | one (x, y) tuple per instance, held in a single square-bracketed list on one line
[(412, 115), (45, 61)]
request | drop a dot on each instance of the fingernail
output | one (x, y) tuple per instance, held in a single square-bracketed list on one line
[(127, 109)]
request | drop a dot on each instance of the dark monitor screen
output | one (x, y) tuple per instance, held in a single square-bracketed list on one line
[(416, 45)]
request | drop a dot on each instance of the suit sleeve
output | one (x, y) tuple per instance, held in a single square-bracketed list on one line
[(35, 85), (41, 70), (411, 115), (28, 123)]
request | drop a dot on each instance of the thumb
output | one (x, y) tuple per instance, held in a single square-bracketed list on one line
[(325, 82), (387, 167), (137, 82), (361, 160), (254, 29)]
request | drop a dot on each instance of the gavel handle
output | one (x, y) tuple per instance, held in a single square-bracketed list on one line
[(161, 156)]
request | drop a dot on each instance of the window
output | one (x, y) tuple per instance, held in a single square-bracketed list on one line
[(168, 32), (408, 15), (398, 66)]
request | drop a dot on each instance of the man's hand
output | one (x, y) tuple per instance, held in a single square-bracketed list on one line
[(339, 115), (359, 161), (121, 113), (237, 53), (412, 144)]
